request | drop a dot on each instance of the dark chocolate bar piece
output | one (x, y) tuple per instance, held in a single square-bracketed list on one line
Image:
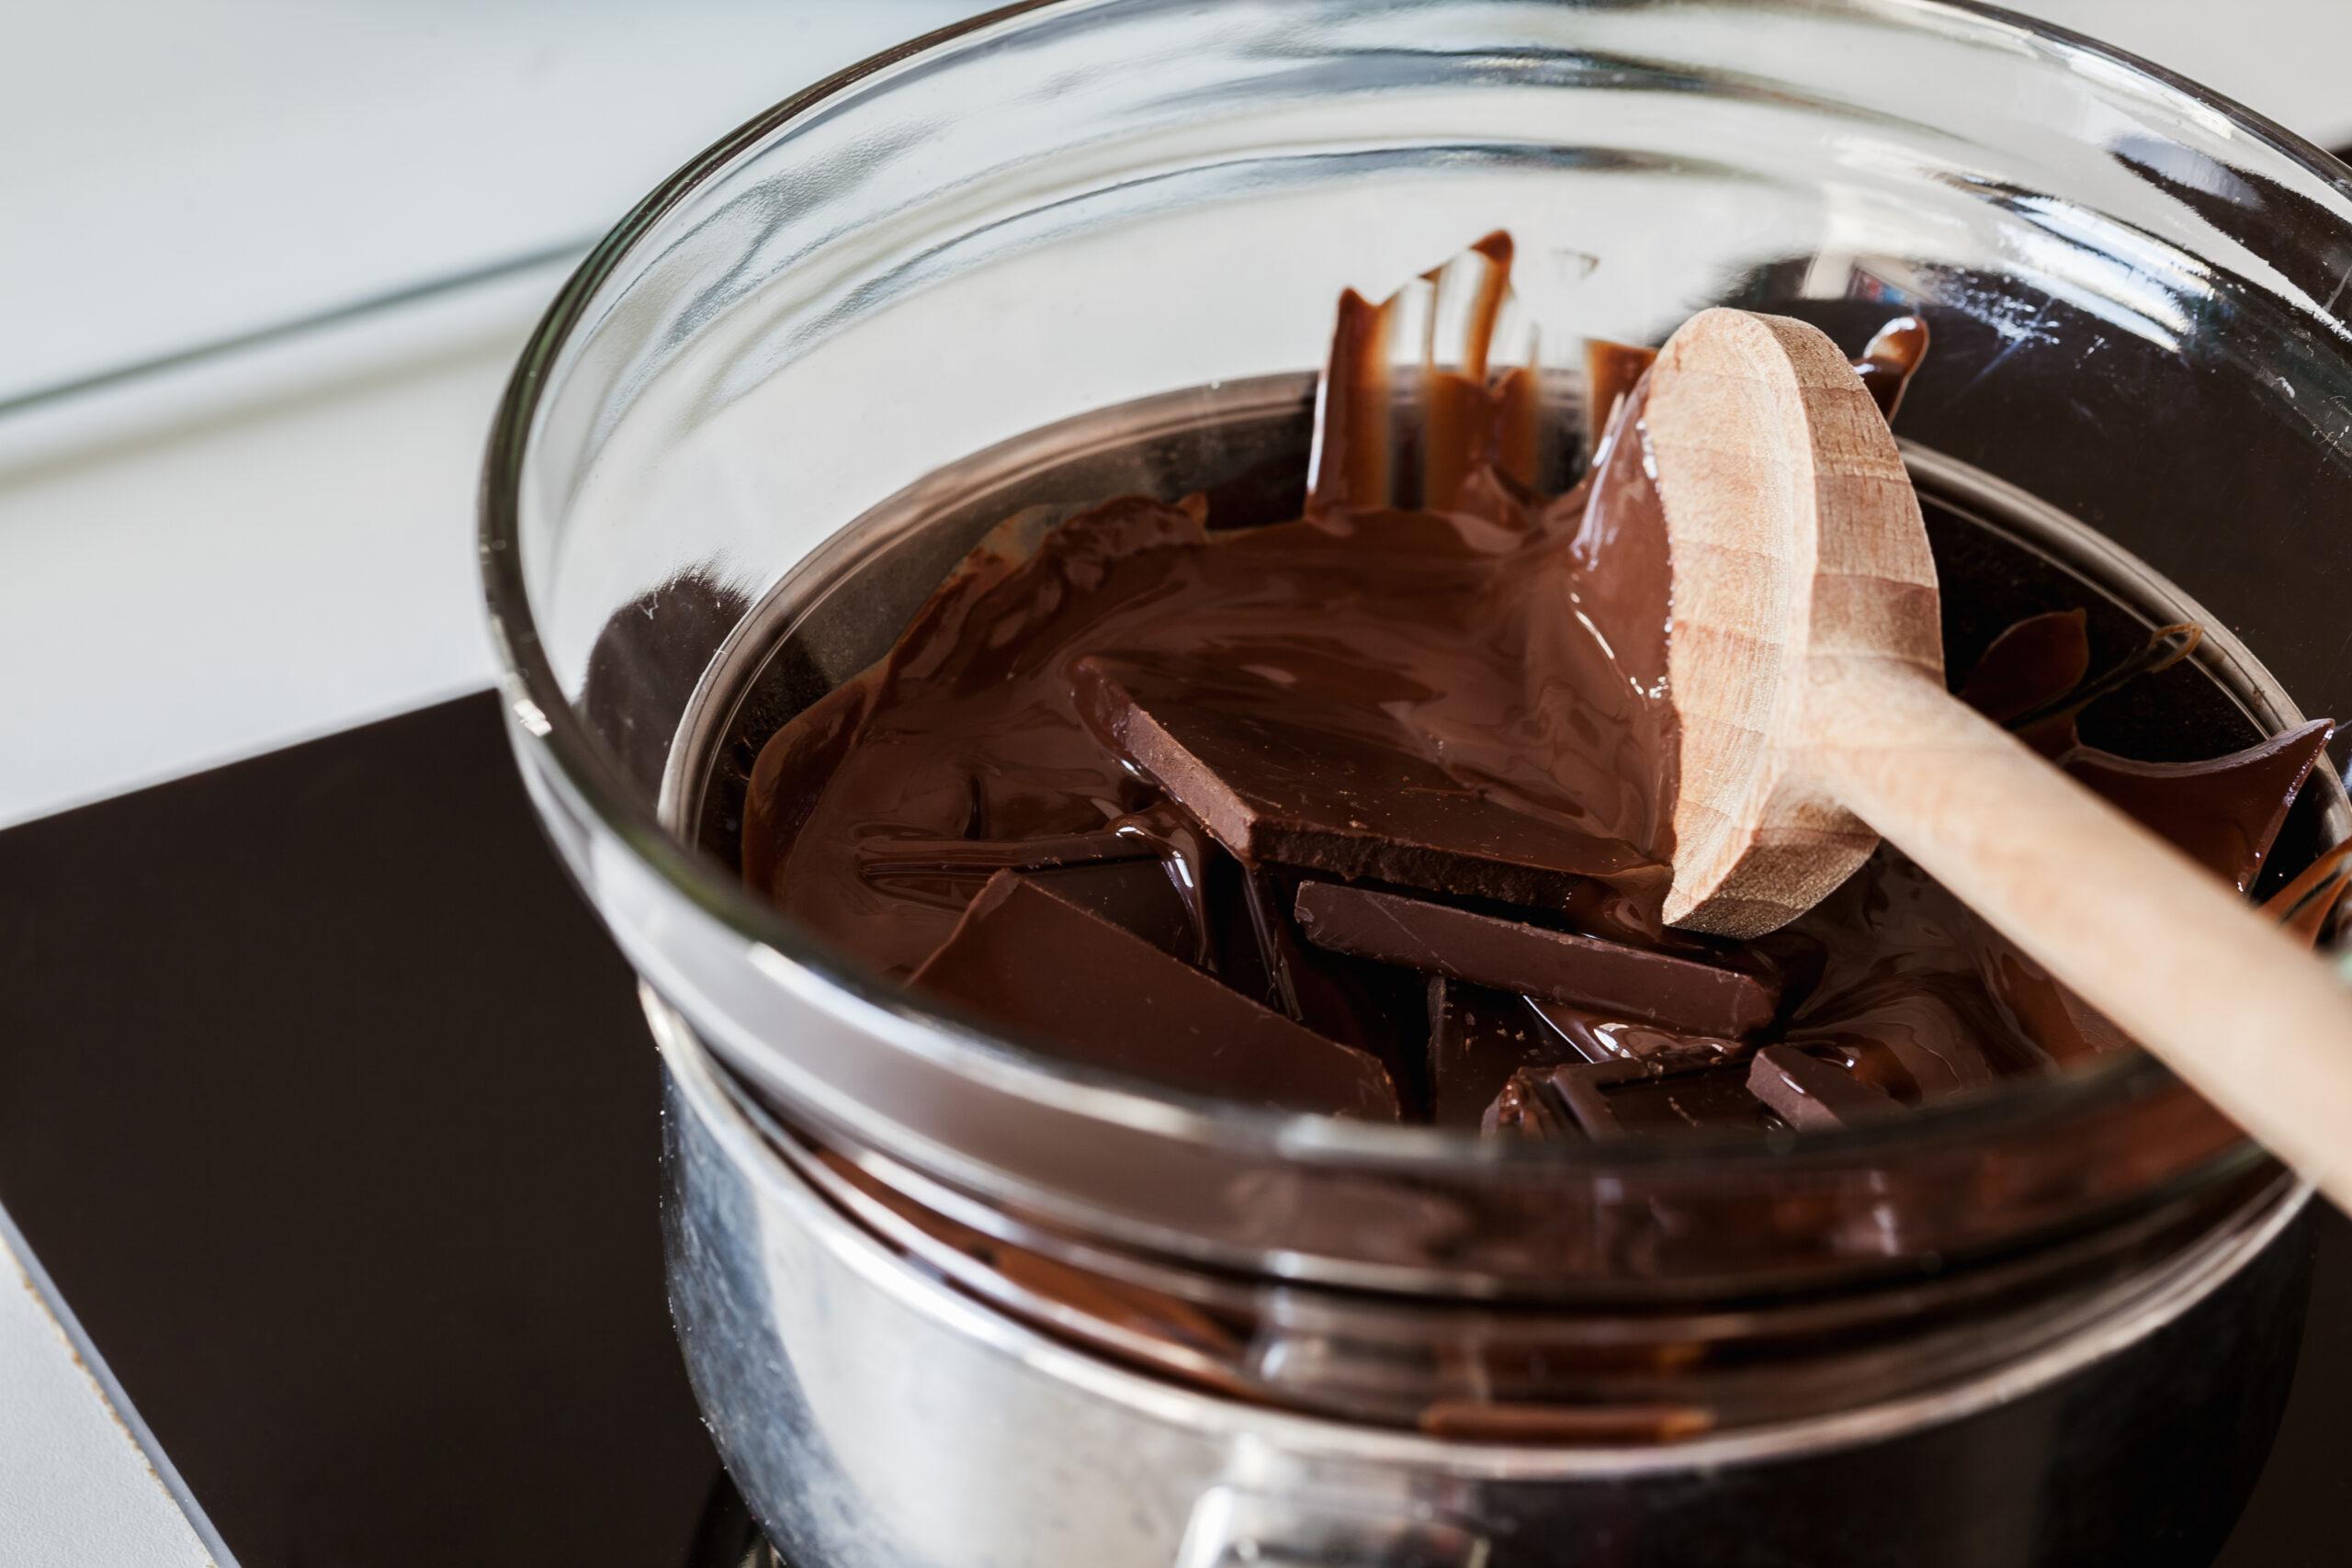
[(1369, 1006), (1525, 1108), (1123, 878), (1280, 778), (1060, 976), (1606, 1101), (1462, 945), (1808, 1092), (1478, 1038), (1138, 896)]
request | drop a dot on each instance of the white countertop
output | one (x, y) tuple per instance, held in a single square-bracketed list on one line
[(168, 542)]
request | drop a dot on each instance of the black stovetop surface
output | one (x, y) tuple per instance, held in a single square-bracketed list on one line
[(331, 1112)]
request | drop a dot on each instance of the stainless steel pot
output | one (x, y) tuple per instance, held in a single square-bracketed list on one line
[(877, 1417), (1080, 206)]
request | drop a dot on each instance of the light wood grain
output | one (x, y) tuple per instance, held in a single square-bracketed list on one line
[(1793, 529), (1805, 658)]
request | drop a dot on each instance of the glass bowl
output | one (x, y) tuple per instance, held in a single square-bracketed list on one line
[(1089, 245), (1065, 209)]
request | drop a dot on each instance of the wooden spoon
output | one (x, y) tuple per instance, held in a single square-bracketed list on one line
[(1805, 659)]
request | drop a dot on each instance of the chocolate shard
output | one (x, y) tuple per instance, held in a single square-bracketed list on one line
[(1606, 1101), (1368, 1006), (2223, 812), (1808, 1092), (1524, 1108), (1059, 975), (1138, 896), (1487, 949), (1478, 1038), (1285, 779)]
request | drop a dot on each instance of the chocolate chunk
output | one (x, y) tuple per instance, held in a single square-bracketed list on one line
[(1368, 1006), (1485, 950), (1605, 1101), (1137, 896), (2223, 812), (1283, 779), (1644, 1103), (1477, 1040), (1917, 1038), (1065, 979), (1525, 1108), (1137, 882), (1808, 1092)]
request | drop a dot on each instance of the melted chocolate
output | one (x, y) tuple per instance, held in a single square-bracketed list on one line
[(1100, 788)]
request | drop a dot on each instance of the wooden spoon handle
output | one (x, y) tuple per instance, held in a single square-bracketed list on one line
[(2258, 1027)]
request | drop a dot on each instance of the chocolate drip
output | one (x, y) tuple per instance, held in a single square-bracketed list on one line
[(1892, 358)]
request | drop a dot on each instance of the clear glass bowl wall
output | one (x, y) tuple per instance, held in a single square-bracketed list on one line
[(2136, 296)]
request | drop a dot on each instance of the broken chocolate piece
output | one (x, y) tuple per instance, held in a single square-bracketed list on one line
[(1137, 896), (2223, 814), (1525, 1108), (1066, 979), (1611, 1101), (1279, 778), (1368, 1006), (1478, 1038), (1808, 1092), (1485, 950)]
